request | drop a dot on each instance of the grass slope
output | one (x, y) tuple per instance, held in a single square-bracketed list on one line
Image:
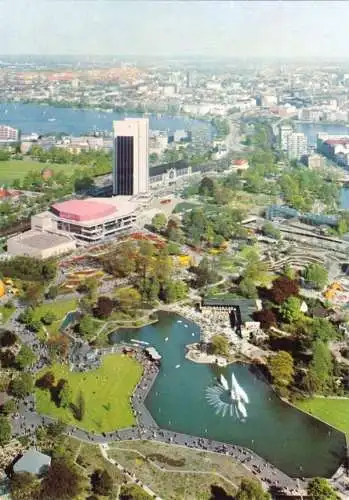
[(6, 313), (18, 169), (60, 308), (331, 410), (106, 392)]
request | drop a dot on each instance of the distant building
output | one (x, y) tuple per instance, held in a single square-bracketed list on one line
[(334, 147), (241, 164), (131, 152), (297, 145), (284, 132), (8, 134), (315, 161)]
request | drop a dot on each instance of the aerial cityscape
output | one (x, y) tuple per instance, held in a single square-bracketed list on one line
[(174, 250)]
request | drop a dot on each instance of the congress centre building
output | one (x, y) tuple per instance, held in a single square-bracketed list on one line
[(94, 219), (75, 222)]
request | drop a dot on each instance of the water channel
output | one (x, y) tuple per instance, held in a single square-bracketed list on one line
[(293, 441)]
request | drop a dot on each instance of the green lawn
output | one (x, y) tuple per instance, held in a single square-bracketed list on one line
[(106, 392), (18, 169), (60, 308), (6, 313), (333, 411)]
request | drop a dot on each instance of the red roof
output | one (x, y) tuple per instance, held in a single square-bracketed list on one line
[(82, 210), (240, 162), (343, 141)]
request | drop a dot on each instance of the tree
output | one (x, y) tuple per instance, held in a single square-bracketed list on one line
[(316, 276), (128, 299), (270, 230), (282, 289), (64, 393), (281, 369), (104, 307), (62, 481), (56, 429), (47, 381), (24, 486), (207, 187), (219, 345), (7, 338), (22, 385), (266, 317), (150, 289), (320, 489), (52, 292), (80, 407), (248, 288), (87, 327), (9, 407), (133, 492), (48, 318), (25, 357), (174, 290), (205, 274), (291, 309), (102, 482), (320, 368), (5, 431), (251, 489), (159, 222)]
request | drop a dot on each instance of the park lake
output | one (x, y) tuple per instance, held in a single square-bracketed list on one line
[(293, 441)]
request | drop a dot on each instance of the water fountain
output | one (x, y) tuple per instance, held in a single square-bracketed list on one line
[(225, 398)]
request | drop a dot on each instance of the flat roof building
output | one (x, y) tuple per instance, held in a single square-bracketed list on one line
[(130, 160), (40, 244)]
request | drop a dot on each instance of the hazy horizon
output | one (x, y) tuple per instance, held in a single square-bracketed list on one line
[(176, 29)]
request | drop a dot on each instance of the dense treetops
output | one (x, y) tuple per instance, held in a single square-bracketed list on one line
[(28, 268)]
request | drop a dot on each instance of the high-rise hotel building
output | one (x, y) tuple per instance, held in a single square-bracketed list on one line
[(130, 160)]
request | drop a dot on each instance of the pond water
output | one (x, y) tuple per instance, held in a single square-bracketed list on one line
[(71, 317), (291, 440)]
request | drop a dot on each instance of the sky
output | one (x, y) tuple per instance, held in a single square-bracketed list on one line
[(275, 29)]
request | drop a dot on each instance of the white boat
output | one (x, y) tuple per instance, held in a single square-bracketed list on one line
[(185, 326), (178, 366), (166, 339), (179, 321), (51, 120), (141, 342)]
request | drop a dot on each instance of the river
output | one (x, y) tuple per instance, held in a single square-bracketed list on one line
[(310, 130), (293, 441), (48, 119)]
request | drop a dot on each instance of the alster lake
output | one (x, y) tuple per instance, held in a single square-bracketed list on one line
[(293, 441)]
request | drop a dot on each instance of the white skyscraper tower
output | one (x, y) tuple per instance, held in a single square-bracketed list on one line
[(284, 132), (297, 145), (130, 160)]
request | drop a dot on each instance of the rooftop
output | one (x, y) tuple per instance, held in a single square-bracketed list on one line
[(42, 240), (32, 461), (82, 210)]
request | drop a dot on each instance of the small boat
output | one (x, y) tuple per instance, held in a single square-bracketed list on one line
[(186, 326), (179, 321), (166, 339), (178, 366), (193, 334), (51, 119), (141, 342)]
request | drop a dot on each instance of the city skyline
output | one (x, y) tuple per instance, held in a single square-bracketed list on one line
[(168, 29)]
